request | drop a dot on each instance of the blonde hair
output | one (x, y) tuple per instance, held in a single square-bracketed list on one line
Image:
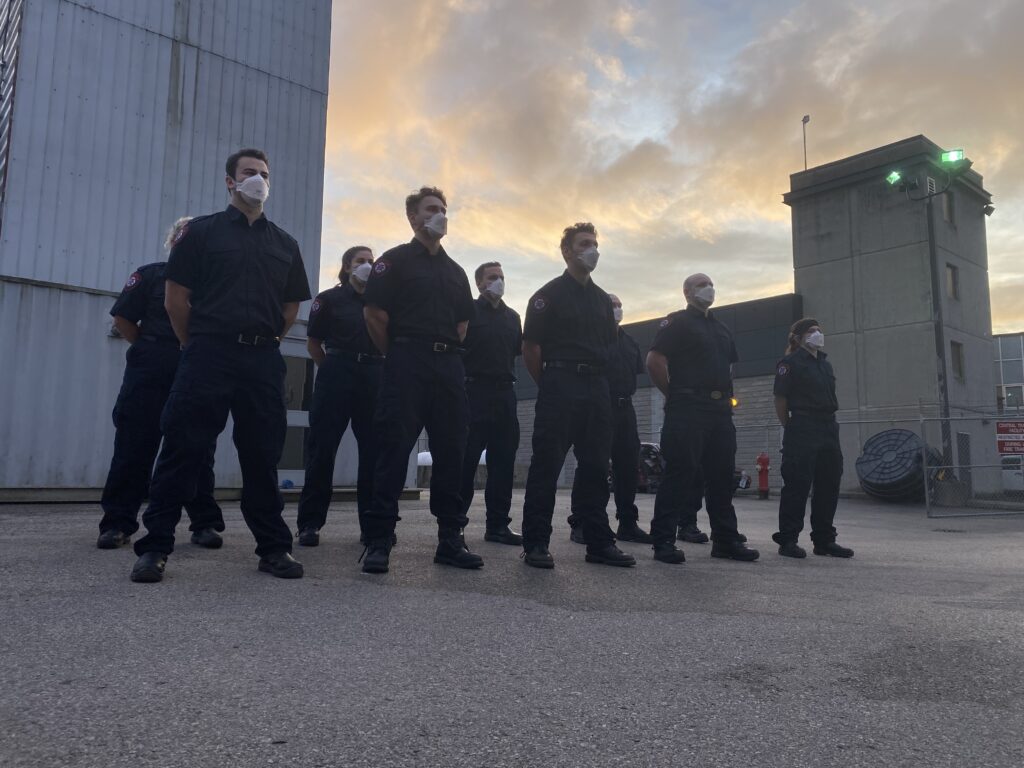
[(173, 232)]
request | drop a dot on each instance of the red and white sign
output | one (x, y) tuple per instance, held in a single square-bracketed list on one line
[(1010, 437)]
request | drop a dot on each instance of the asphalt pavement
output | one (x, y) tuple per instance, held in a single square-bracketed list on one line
[(910, 654)]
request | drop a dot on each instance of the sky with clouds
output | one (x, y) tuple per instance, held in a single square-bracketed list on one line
[(673, 125)]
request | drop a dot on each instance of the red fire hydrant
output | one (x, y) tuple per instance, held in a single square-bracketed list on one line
[(763, 466)]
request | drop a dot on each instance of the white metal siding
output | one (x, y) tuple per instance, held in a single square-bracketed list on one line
[(125, 112)]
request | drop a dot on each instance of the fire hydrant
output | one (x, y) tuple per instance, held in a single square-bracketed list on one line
[(763, 466)]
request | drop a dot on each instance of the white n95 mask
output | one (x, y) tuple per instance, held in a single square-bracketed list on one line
[(589, 258), (497, 288), (437, 225), (815, 340), (362, 272), (617, 312), (255, 189), (705, 295)]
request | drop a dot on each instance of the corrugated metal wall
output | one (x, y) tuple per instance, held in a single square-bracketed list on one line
[(126, 110), (124, 113)]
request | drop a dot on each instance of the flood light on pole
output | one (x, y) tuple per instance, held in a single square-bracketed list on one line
[(953, 156)]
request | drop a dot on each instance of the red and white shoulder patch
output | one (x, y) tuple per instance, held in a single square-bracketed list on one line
[(179, 234), (133, 279), (783, 369), (540, 303), (381, 266), (316, 306), (667, 321)]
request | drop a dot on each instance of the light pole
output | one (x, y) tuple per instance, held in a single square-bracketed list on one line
[(805, 121)]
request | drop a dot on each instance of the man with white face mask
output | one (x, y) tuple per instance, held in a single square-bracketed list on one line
[(493, 341), (806, 403), (234, 284), (624, 364), (570, 325), (691, 363), (418, 306)]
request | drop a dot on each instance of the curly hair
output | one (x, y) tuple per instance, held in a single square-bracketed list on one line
[(570, 232)]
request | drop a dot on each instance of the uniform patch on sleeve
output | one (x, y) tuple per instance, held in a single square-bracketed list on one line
[(783, 369), (316, 306), (381, 267), (540, 303), (133, 279), (179, 234), (665, 322)]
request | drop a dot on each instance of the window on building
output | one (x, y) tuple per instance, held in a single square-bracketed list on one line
[(948, 210), (1013, 372), (956, 354), (1013, 397), (1010, 347), (952, 281)]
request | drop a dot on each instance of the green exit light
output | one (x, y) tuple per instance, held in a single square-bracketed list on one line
[(894, 177), (953, 156)]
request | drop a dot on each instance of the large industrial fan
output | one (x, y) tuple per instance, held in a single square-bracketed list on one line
[(891, 465)]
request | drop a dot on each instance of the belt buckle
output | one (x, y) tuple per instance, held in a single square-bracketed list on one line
[(716, 395), (582, 368), (440, 347), (241, 340)]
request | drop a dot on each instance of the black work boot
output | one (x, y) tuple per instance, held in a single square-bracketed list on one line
[(208, 538), (611, 555), (667, 552), (831, 549), (376, 555), (692, 534), (576, 534), (538, 556), (502, 534), (309, 537), (734, 550), (452, 550), (112, 539), (792, 549), (149, 568), (282, 565), (630, 531)]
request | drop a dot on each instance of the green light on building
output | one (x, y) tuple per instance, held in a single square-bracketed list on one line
[(953, 156), (894, 177)]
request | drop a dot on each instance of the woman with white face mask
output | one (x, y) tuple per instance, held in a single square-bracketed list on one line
[(806, 403), (347, 380)]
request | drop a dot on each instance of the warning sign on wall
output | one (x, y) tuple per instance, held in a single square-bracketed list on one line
[(1010, 437)]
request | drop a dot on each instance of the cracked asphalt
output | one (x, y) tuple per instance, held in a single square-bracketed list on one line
[(910, 654)]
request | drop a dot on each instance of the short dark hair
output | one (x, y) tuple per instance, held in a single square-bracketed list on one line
[(412, 202), (232, 164), (346, 260), (570, 232), (480, 270)]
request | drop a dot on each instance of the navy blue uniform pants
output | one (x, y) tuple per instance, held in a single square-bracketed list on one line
[(696, 438), (419, 389), (148, 374), (572, 411), (811, 457), (218, 376), (625, 457), (345, 392), (494, 427)]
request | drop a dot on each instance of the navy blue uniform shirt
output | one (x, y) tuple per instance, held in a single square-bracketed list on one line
[(700, 351), (336, 318), (494, 338), (571, 321), (807, 382), (624, 364), (426, 296), (142, 301), (239, 275)]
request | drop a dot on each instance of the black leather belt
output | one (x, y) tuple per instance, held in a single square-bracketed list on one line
[(484, 381), (442, 347), (622, 402), (359, 357), (806, 413), (252, 340), (583, 369), (171, 341), (711, 394)]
